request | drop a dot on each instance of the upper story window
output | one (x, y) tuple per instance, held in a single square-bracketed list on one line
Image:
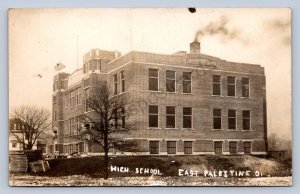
[(55, 115), (78, 96), (122, 77), (54, 99), (170, 116), (72, 126), (115, 79), (86, 99), (245, 87), (217, 85), (170, 81), (153, 79), (187, 82), (86, 82), (232, 119), (72, 99), (153, 116), (246, 120), (187, 117), (217, 119), (230, 86), (123, 117), (66, 100)]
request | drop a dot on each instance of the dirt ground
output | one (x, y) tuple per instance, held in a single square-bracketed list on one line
[(83, 180)]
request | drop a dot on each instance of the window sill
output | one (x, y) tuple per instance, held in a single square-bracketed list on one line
[(217, 129), (191, 129), (153, 128), (186, 93), (171, 128), (232, 130), (154, 91), (170, 92), (247, 130)]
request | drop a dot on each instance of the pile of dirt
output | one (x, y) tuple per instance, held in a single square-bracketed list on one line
[(167, 165)]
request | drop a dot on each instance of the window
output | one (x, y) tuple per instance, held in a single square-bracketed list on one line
[(153, 116), (246, 120), (72, 98), (170, 81), (86, 83), (245, 87), (187, 82), (171, 147), (78, 125), (122, 81), (232, 119), (233, 147), (218, 147), (115, 77), (154, 147), (170, 117), (217, 119), (54, 99), (55, 115), (247, 147), (86, 96), (78, 96), (115, 112), (230, 86), (66, 101), (123, 117), (70, 148), (72, 126), (153, 79), (188, 147), (187, 117), (217, 85)]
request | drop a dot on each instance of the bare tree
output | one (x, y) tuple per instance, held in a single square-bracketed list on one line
[(30, 122), (107, 123), (273, 142)]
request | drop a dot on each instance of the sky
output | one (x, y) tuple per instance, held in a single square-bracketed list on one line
[(39, 38)]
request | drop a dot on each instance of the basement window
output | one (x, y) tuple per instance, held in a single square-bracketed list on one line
[(247, 147), (218, 147), (188, 147), (154, 147), (171, 147), (233, 147)]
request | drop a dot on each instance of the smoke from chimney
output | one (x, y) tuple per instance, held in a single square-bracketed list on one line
[(217, 28)]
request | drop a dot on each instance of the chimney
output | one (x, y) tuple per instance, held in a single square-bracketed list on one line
[(195, 47)]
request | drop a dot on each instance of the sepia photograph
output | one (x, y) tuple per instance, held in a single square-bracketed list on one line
[(150, 97)]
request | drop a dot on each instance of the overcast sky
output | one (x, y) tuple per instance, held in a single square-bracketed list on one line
[(39, 38)]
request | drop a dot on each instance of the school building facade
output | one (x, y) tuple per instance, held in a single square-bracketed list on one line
[(185, 103)]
